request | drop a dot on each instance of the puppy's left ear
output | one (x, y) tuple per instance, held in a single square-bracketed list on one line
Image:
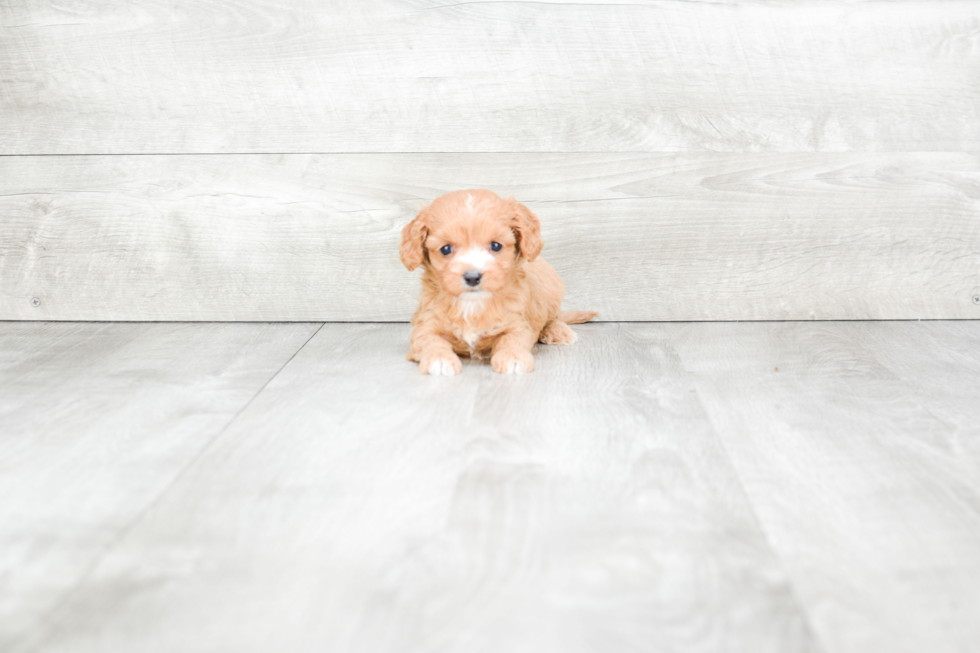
[(412, 250), (528, 231)]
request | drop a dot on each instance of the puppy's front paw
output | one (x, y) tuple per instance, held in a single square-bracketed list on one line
[(512, 361), (441, 366)]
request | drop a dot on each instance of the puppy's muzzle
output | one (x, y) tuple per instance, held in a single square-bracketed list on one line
[(472, 277)]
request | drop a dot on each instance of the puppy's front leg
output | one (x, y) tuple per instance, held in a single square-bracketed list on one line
[(512, 352), (434, 354)]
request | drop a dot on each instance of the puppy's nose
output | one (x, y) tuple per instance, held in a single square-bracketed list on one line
[(472, 277)]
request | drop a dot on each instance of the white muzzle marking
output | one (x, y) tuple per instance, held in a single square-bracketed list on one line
[(475, 258)]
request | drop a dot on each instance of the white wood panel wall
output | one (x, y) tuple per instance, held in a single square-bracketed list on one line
[(85, 76), (689, 160)]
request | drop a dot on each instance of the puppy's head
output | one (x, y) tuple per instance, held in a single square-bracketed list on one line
[(472, 241)]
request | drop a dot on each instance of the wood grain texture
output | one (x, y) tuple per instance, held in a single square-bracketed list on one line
[(199, 76), (356, 505), (933, 359), (96, 422), (864, 480), (635, 236)]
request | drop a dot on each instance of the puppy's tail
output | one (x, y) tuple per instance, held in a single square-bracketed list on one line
[(576, 317)]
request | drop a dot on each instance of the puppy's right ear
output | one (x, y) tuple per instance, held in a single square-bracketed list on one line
[(412, 251)]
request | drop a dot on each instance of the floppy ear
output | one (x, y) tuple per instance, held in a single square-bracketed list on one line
[(412, 250), (528, 231)]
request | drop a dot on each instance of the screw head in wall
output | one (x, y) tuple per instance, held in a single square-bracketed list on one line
[(976, 299), (35, 302)]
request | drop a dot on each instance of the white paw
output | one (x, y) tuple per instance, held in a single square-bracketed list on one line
[(515, 367), (442, 367)]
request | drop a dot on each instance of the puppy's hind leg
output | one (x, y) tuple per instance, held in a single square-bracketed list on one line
[(557, 332)]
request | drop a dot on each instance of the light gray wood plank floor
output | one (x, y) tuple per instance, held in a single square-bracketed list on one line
[(858, 445), (96, 422), (654, 487)]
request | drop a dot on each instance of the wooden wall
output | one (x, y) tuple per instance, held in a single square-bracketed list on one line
[(256, 160)]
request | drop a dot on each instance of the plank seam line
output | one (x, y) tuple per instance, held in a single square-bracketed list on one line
[(378, 152), (671, 152), (790, 581), (693, 150), (152, 504), (599, 321)]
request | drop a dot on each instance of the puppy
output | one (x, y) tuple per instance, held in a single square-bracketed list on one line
[(485, 292)]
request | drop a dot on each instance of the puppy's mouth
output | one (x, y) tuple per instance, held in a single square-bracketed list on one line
[(474, 294)]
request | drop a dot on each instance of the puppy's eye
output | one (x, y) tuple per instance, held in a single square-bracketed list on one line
[(495, 246), (446, 250)]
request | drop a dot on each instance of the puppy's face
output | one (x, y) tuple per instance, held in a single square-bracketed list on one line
[(470, 246), (471, 241)]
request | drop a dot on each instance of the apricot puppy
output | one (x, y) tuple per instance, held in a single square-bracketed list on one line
[(485, 291)]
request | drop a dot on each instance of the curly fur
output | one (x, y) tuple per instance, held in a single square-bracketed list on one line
[(517, 301)]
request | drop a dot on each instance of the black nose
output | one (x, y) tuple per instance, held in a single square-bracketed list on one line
[(472, 277)]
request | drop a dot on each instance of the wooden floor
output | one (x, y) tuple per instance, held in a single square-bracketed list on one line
[(769, 486)]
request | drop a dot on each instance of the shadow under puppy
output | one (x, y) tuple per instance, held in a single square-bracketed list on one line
[(485, 292)]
